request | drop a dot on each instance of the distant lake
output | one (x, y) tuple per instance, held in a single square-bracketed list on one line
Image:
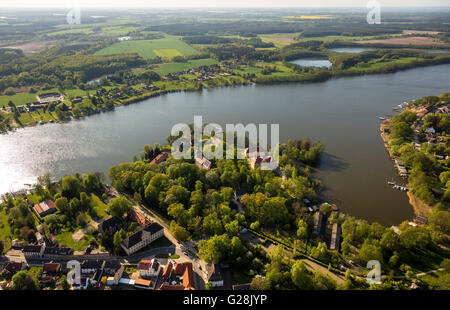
[(343, 113), (312, 62)]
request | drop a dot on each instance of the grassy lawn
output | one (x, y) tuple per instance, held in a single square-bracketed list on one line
[(5, 230), (166, 47), (181, 66), (65, 240), (99, 206)]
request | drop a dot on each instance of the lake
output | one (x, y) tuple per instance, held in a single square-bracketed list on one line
[(342, 113), (312, 62)]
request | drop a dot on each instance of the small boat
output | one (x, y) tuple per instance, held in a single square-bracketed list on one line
[(391, 183), (382, 118)]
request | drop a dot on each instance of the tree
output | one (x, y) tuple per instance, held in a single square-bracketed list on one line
[(179, 232), (302, 231), (71, 187), (91, 183), (260, 283), (118, 238), (370, 251), (62, 204), (119, 206), (23, 281), (215, 249), (300, 276)]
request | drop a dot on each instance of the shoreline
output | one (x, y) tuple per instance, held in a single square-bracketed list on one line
[(420, 208), (332, 75)]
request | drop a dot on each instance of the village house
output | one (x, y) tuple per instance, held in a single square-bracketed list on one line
[(117, 276), (257, 155), (110, 225), (111, 266), (214, 273), (141, 283), (39, 238), (49, 97), (88, 267), (160, 158), (149, 268), (141, 220), (33, 251), (167, 271), (55, 251), (203, 163), (142, 238), (11, 268), (318, 217), (45, 208), (181, 278), (335, 237)]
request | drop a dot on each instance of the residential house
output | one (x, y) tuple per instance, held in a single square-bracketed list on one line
[(214, 274), (167, 271), (45, 208), (39, 237), (111, 225), (203, 163), (89, 267), (117, 276), (51, 269), (318, 217), (33, 251), (48, 252), (143, 237), (49, 97), (141, 220), (149, 268), (111, 266), (12, 268), (185, 276), (256, 155), (160, 158), (335, 237), (141, 283)]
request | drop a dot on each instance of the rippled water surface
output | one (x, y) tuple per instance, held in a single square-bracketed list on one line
[(343, 113)]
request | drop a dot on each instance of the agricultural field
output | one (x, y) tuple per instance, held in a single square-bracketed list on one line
[(5, 229), (404, 41), (164, 69), (71, 31), (26, 97), (168, 47)]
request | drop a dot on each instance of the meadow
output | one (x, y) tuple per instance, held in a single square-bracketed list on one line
[(168, 47)]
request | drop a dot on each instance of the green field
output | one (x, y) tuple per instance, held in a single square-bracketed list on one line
[(181, 66), (5, 229), (167, 47), (26, 97)]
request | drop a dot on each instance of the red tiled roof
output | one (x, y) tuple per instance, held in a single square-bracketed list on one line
[(144, 265), (188, 277), (167, 271), (142, 282), (171, 287), (160, 158), (12, 267), (51, 267)]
